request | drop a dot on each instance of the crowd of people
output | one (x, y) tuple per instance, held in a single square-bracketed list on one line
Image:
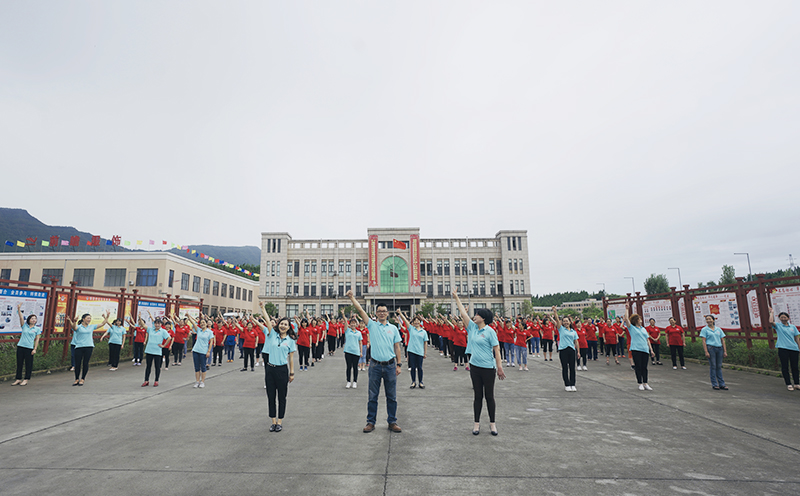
[(378, 343)]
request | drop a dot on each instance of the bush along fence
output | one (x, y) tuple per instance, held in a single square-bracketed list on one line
[(741, 309), (51, 304)]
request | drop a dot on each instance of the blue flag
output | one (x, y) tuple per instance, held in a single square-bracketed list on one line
[(9, 243)]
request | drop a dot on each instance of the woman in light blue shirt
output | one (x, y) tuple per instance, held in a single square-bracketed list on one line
[(715, 349), (417, 347), (279, 372), (26, 346), (116, 340), (157, 339), (788, 348), (568, 350), (83, 331), (352, 351), (483, 350), (641, 349), (201, 349)]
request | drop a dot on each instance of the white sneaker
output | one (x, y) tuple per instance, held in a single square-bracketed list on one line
[(409, 369), (196, 384), (355, 385), (585, 367), (348, 385), (641, 387), (647, 387), (567, 388), (202, 384), (574, 389)]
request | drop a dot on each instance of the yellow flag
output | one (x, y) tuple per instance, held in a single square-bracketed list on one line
[(20, 244), (138, 242)]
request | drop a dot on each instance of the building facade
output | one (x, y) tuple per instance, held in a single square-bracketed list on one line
[(314, 275), (151, 273)]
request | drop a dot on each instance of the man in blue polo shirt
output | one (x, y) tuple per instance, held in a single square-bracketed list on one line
[(384, 340)]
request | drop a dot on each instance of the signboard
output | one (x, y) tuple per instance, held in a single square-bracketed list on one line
[(682, 311), (661, 310), (150, 310), (373, 261), (414, 260), (786, 300), (30, 302), (185, 310), (755, 312), (722, 306), (95, 306), (616, 310)]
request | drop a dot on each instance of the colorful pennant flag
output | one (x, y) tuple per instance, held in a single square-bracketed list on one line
[(9, 243), (45, 243), (138, 241), (20, 244), (64, 242), (152, 242), (127, 243)]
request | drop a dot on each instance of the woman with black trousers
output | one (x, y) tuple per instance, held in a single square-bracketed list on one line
[(279, 372), (83, 331), (568, 353)]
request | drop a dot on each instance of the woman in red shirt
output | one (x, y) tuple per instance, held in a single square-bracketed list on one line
[(139, 338), (547, 339), (521, 336), (363, 362), (536, 338), (249, 338), (182, 331), (675, 339), (305, 339), (219, 339), (610, 339), (459, 336), (583, 344), (655, 341)]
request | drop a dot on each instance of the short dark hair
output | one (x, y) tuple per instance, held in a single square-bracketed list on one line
[(784, 313), (485, 314), (382, 305), (32, 316)]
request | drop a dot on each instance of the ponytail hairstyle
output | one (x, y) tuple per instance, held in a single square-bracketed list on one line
[(32, 316)]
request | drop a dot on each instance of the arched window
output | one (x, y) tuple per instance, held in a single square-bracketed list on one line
[(394, 275)]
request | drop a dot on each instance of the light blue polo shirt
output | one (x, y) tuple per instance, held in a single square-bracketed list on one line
[(82, 336), (115, 334), (28, 336), (786, 334), (480, 346), (279, 348), (382, 338), (639, 338), (154, 339), (416, 340), (713, 336), (352, 342), (566, 338), (202, 340)]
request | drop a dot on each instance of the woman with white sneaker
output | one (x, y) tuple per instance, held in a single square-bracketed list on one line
[(640, 347), (583, 345), (567, 350), (352, 350)]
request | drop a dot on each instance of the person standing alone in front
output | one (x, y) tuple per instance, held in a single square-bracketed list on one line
[(385, 363)]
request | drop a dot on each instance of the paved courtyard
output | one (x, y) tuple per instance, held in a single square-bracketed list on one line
[(114, 437)]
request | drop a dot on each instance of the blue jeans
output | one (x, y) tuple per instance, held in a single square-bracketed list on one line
[(535, 345), (389, 375), (229, 351), (715, 365), (509, 352), (363, 358), (522, 355)]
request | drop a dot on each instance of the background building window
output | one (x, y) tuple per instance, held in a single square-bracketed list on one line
[(57, 274), (171, 277), (5, 274), (83, 277), (196, 284), (115, 278), (146, 277), (215, 288), (206, 286), (185, 282), (224, 290), (238, 293), (25, 275)]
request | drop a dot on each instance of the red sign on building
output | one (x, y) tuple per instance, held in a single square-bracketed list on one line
[(373, 261)]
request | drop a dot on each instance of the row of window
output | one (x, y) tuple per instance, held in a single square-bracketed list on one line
[(273, 245), (389, 244), (293, 309), (115, 278), (479, 288), (460, 267), (514, 243)]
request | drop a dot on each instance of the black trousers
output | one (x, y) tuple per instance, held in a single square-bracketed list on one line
[(673, 349), (149, 359), (331, 343), (483, 387), (459, 354), (217, 354), (113, 354), (249, 353), (567, 357), (277, 381), (24, 356), (165, 356), (82, 357), (788, 358), (657, 351), (352, 364), (640, 365), (304, 352), (177, 352)]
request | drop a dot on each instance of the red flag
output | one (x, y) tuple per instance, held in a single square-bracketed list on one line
[(398, 244)]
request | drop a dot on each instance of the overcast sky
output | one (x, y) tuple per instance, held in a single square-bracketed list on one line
[(626, 137)]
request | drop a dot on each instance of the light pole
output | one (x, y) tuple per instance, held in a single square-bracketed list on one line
[(750, 270), (633, 284), (604, 287), (680, 282)]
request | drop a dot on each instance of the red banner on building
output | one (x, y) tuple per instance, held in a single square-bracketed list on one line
[(373, 261), (414, 260)]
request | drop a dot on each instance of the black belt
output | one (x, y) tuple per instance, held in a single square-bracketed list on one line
[(284, 365), (383, 363)]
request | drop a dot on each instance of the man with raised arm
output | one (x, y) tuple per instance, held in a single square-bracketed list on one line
[(385, 363)]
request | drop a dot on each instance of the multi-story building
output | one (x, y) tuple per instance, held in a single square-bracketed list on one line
[(151, 273), (394, 267)]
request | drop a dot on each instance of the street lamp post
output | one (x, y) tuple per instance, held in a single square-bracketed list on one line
[(633, 284), (680, 282), (749, 269)]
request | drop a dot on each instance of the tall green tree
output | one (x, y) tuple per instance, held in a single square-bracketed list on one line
[(656, 283), (728, 275)]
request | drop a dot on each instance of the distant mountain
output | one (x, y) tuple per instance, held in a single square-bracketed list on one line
[(17, 224)]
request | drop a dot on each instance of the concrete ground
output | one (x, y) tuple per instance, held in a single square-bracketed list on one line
[(114, 437)]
